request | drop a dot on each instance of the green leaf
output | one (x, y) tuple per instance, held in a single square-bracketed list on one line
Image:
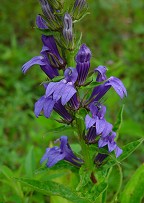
[(134, 190), (57, 78), (30, 163), (52, 188), (98, 189), (47, 32), (6, 171), (59, 166), (84, 178)]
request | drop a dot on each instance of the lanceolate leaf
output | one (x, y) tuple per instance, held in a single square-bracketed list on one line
[(52, 188), (134, 190), (127, 151), (98, 189)]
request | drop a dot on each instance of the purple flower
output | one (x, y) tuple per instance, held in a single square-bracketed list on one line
[(109, 141), (46, 104), (64, 152), (41, 23), (101, 73), (51, 49), (63, 90), (117, 85), (83, 63), (48, 64), (100, 90), (67, 30), (97, 121)]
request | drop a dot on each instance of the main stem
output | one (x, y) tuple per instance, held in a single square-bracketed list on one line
[(70, 55)]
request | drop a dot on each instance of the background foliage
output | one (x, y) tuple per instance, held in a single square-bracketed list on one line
[(114, 31)]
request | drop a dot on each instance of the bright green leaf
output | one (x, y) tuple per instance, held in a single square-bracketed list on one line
[(30, 163), (134, 190), (52, 188)]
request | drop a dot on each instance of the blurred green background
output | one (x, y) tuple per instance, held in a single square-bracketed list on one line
[(114, 31)]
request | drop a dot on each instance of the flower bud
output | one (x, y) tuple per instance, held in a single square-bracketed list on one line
[(83, 63), (80, 7), (67, 30), (47, 11), (55, 4)]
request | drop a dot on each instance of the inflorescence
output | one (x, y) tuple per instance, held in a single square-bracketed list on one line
[(66, 95)]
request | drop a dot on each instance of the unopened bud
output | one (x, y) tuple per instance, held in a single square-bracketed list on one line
[(47, 10), (55, 4), (67, 30), (80, 7)]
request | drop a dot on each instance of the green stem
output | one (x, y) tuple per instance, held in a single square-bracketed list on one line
[(70, 55), (85, 148)]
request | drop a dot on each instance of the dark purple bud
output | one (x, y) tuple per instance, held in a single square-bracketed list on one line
[(91, 135), (83, 63), (41, 23), (74, 102), (47, 11), (68, 30), (79, 4), (101, 73), (64, 152), (100, 158), (79, 9)]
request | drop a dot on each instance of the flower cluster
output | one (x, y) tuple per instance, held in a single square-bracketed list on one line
[(66, 94)]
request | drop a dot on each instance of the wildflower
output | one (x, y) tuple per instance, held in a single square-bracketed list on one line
[(49, 67), (64, 89), (83, 63), (47, 105), (51, 49), (97, 121), (100, 90), (109, 141), (64, 152), (101, 73)]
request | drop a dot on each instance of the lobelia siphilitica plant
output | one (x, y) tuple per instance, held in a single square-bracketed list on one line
[(74, 89)]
